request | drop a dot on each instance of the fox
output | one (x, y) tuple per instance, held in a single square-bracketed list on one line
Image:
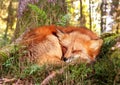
[(42, 46), (81, 43), (58, 45)]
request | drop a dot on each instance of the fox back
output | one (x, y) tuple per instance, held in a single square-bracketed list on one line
[(42, 45)]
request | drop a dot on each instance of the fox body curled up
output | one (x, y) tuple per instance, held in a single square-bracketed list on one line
[(57, 45), (81, 43)]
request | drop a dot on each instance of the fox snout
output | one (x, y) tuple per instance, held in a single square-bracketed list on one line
[(72, 58), (83, 59)]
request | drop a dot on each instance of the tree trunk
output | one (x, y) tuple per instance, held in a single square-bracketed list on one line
[(90, 15), (22, 7)]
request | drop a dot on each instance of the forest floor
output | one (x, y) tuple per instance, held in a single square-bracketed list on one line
[(105, 71)]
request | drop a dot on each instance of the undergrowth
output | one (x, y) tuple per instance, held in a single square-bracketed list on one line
[(106, 70)]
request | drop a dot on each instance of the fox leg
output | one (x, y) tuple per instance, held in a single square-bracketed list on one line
[(49, 60)]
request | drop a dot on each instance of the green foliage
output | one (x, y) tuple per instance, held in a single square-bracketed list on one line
[(105, 71), (4, 41), (80, 71), (106, 68), (109, 41), (73, 75), (3, 57), (39, 12), (10, 61), (64, 20), (115, 57), (42, 13), (31, 70)]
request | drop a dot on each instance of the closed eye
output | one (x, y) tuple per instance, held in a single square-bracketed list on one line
[(76, 51)]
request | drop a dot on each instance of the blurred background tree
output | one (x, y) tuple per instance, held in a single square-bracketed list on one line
[(18, 15), (34, 13), (7, 19)]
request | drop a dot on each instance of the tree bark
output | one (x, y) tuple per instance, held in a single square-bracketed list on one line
[(22, 7)]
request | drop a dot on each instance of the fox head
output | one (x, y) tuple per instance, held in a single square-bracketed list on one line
[(80, 46)]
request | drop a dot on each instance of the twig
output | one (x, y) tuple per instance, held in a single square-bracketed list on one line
[(6, 80), (52, 75)]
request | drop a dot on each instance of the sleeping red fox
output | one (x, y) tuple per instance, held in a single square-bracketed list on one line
[(81, 43), (42, 45), (50, 44)]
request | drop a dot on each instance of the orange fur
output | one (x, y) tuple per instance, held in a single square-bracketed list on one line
[(82, 30), (42, 45), (81, 43), (49, 44), (38, 34)]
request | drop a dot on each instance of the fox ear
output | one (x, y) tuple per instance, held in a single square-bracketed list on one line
[(96, 44), (60, 33)]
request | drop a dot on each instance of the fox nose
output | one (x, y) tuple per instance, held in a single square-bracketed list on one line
[(64, 59), (71, 58)]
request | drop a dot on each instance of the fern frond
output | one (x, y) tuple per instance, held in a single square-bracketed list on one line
[(63, 21), (41, 13)]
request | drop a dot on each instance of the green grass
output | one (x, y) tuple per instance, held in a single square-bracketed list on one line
[(106, 70)]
